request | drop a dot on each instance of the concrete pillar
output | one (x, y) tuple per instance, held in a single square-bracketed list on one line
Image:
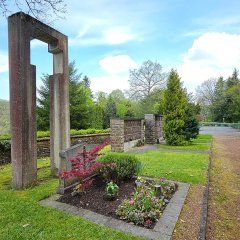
[(22, 29), (149, 128), (59, 125), (22, 104)]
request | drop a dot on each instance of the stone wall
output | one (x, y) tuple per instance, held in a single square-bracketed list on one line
[(153, 128), (158, 128), (125, 133), (43, 145)]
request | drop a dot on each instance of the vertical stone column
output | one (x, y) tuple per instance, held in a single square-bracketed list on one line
[(117, 135), (22, 77), (149, 128), (22, 29), (59, 108)]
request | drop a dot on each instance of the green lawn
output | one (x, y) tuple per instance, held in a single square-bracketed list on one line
[(202, 142), (182, 167), (21, 217)]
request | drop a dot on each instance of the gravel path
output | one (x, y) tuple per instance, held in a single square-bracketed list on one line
[(223, 220)]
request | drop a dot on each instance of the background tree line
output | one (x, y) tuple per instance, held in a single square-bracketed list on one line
[(151, 91), (94, 111), (220, 99)]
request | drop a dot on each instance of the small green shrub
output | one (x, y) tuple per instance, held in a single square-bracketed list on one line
[(112, 190), (126, 165), (5, 137), (5, 145), (42, 134)]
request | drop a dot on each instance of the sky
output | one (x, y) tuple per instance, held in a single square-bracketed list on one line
[(201, 39)]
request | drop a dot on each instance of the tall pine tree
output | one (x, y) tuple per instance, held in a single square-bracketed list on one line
[(80, 101), (174, 107)]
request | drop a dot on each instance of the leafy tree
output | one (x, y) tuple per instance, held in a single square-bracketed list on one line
[(174, 109), (145, 79), (101, 101), (110, 110), (117, 95), (122, 110), (98, 117)]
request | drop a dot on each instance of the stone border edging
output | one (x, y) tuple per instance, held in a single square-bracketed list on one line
[(162, 231), (204, 212)]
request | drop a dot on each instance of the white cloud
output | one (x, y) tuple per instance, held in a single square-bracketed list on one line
[(3, 62), (108, 83), (106, 22), (211, 55), (117, 64), (104, 35)]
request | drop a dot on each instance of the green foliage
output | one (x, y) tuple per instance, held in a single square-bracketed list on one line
[(42, 134), (191, 125), (220, 99), (110, 110), (80, 99), (179, 113), (98, 116), (5, 145), (174, 109), (88, 131), (143, 208), (5, 137), (112, 190), (127, 165), (22, 207), (4, 117)]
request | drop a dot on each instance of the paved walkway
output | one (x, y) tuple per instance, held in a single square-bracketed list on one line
[(155, 147)]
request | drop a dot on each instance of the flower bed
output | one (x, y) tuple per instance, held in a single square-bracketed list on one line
[(115, 192)]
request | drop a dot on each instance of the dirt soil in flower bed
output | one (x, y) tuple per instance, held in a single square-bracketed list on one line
[(94, 198)]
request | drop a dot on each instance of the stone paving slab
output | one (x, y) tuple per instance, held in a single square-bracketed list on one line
[(162, 231), (155, 147)]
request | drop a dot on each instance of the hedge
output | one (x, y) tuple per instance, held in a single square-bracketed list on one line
[(42, 134)]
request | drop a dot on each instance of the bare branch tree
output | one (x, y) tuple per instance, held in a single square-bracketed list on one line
[(43, 10), (206, 92), (143, 80)]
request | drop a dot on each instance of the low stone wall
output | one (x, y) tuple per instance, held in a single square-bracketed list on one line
[(125, 133), (43, 145)]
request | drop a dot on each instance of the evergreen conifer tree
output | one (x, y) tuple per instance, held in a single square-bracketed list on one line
[(175, 104)]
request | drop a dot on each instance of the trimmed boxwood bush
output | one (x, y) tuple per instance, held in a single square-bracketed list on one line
[(127, 165), (5, 146), (42, 134)]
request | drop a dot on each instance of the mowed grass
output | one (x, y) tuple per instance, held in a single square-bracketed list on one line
[(22, 217), (183, 167), (201, 143)]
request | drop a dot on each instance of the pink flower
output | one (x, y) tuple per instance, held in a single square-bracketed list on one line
[(131, 201)]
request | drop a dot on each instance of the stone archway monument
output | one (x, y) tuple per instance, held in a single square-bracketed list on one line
[(22, 28)]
